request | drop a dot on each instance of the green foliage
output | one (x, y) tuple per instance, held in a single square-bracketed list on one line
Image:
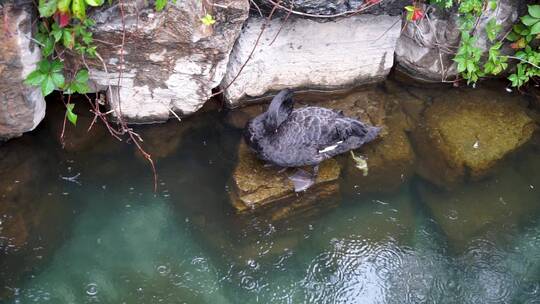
[(527, 67), (468, 58), (443, 3), (160, 4), (72, 117), (496, 63), (48, 76), (473, 63), (522, 38), (492, 30), (79, 84)]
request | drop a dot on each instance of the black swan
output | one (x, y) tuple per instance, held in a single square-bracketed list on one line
[(288, 137)]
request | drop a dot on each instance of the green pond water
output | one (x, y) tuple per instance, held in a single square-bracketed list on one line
[(105, 237)]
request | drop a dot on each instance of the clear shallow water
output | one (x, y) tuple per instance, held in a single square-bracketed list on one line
[(109, 239)]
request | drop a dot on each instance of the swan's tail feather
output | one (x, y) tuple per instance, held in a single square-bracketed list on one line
[(372, 133)]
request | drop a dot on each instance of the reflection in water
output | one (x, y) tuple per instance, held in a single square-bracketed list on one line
[(137, 254), (122, 244)]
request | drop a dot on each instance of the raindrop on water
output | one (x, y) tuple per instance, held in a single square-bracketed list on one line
[(91, 289), (453, 215), (162, 269)]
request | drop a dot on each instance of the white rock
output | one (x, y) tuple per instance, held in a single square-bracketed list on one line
[(171, 61), (311, 54), (22, 107)]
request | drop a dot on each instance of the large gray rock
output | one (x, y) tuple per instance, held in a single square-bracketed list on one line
[(171, 60), (426, 47), (331, 7), (21, 107), (311, 54)]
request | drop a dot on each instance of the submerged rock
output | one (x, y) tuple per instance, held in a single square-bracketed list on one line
[(465, 133), (171, 61), (501, 202), (310, 54), (256, 185), (162, 140), (373, 219), (22, 107), (390, 161)]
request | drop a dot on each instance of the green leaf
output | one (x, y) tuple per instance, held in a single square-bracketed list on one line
[(208, 19), (89, 22), (35, 78), (534, 10), (160, 5), (471, 67), (512, 37), (528, 20), (87, 37), (81, 88), (57, 33), (94, 2), (68, 40), (492, 29), (409, 16), (63, 5), (82, 76), (57, 66), (91, 52), (519, 28), (47, 8), (44, 66), (78, 7), (535, 29), (47, 86), (409, 8), (58, 80), (48, 48), (72, 117)]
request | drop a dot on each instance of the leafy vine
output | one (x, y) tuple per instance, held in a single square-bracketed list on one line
[(473, 62)]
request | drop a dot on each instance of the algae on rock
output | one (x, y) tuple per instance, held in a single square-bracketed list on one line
[(256, 185)]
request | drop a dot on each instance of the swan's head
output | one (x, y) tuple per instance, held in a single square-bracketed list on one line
[(265, 125), (279, 110)]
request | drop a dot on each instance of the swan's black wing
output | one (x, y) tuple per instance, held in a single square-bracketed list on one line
[(311, 135), (322, 127), (310, 127)]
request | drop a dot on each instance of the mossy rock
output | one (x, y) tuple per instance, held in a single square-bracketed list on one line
[(256, 185), (466, 133)]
